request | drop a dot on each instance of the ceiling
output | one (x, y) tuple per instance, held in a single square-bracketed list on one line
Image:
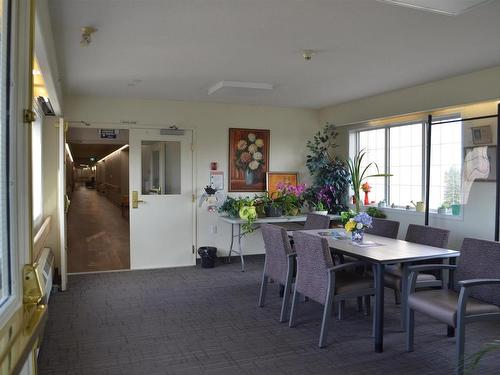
[(83, 152), (178, 49)]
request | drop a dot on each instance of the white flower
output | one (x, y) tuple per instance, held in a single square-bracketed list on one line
[(257, 155), (260, 143), (253, 165), (359, 226), (252, 148), (242, 144), (251, 137)]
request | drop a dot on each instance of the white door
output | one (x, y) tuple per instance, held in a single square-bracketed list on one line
[(62, 201), (161, 180)]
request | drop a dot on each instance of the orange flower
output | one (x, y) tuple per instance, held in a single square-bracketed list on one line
[(366, 187)]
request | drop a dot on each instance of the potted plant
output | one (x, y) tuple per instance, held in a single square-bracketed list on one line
[(320, 208), (291, 198), (243, 208), (356, 226), (375, 212), (359, 174), (442, 209), (272, 205)]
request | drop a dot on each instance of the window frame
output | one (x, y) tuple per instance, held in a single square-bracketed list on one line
[(354, 147)]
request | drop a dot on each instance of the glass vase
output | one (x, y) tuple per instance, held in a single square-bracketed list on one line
[(357, 236)]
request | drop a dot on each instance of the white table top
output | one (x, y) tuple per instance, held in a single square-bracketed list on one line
[(389, 250), (279, 219)]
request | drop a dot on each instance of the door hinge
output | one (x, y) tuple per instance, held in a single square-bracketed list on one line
[(28, 116), (193, 249)]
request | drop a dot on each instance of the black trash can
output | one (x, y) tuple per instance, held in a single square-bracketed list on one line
[(208, 254)]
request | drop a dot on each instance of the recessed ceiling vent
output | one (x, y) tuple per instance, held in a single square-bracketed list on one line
[(447, 7), (239, 88)]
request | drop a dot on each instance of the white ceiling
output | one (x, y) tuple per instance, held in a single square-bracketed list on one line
[(178, 49)]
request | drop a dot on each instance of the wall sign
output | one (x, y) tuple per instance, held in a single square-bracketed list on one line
[(217, 180), (108, 133)]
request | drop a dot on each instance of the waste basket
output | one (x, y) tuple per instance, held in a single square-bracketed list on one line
[(208, 254)]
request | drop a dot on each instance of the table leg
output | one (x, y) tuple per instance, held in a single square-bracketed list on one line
[(240, 249), (379, 308), (232, 241), (451, 275), (404, 294)]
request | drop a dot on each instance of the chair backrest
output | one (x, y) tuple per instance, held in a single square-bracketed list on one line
[(313, 261), (277, 246), (384, 228), (316, 221), (480, 259), (426, 235)]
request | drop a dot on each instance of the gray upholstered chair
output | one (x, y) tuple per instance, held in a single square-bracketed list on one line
[(316, 221), (384, 228), (423, 235), (278, 264), (320, 280), (475, 297)]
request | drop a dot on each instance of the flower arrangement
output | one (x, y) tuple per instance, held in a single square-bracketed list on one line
[(366, 187), (357, 224), (290, 197), (249, 156)]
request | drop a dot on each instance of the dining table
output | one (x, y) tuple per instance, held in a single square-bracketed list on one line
[(380, 252)]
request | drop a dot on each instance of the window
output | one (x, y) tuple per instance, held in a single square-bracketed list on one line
[(403, 147), (36, 167), (446, 164), (5, 285)]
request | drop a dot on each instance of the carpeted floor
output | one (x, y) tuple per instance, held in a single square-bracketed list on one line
[(205, 321)]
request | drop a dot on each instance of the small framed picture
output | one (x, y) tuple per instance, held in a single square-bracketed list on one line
[(481, 135), (287, 178)]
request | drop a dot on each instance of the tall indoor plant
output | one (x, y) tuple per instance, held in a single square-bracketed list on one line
[(359, 174)]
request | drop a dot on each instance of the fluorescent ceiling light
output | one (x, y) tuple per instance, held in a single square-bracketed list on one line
[(114, 152), (69, 152), (447, 7), (239, 85)]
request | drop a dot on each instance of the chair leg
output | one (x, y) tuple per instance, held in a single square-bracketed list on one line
[(284, 303), (397, 297), (325, 321), (263, 289), (460, 347), (341, 307), (368, 308), (291, 322), (360, 303), (410, 328), (450, 332)]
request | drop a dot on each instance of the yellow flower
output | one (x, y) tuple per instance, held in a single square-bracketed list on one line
[(350, 225)]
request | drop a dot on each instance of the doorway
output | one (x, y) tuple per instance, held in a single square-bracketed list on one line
[(97, 183)]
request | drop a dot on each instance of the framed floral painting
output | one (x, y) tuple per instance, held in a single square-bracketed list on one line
[(274, 179), (248, 159)]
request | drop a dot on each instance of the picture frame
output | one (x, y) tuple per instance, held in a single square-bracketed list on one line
[(248, 159), (492, 157), (481, 135), (274, 178)]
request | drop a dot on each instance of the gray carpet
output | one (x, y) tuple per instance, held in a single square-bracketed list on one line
[(205, 321)]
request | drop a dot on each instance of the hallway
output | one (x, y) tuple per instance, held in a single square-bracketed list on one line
[(98, 235)]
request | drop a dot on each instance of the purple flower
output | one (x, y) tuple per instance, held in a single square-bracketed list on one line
[(364, 219)]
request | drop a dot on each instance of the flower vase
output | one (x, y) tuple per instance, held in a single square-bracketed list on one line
[(249, 177), (367, 200), (357, 236)]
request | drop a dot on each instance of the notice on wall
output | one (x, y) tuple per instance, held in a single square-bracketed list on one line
[(108, 133), (217, 180)]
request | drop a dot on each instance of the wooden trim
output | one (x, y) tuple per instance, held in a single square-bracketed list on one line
[(41, 237)]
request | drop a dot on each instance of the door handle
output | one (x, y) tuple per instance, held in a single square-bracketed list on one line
[(135, 199)]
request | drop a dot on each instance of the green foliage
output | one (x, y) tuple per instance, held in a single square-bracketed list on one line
[(345, 216), (359, 174), (326, 168), (452, 186), (237, 207), (473, 360), (375, 212)]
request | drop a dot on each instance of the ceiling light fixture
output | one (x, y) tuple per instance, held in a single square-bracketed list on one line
[(239, 85), (308, 54), (446, 7), (69, 152), (87, 32)]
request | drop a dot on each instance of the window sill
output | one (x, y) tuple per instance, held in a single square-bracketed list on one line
[(413, 212)]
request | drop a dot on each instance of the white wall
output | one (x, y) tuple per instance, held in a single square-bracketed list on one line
[(290, 129), (478, 214)]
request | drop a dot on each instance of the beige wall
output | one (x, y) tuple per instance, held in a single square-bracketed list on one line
[(112, 176), (290, 128)]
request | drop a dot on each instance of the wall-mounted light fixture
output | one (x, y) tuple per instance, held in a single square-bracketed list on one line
[(114, 152)]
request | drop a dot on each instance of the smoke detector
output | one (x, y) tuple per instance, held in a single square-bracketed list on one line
[(308, 54), (87, 32)]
